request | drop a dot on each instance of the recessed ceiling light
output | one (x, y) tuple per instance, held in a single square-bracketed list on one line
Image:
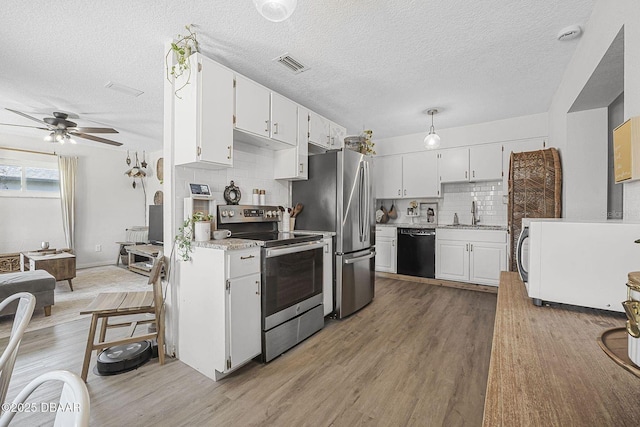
[(570, 33), (123, 89)]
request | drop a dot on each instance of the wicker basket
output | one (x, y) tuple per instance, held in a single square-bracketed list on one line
[(535, 191)]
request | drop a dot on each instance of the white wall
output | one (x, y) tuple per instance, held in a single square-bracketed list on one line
[(585, 169), (607, 18), (106, 205)]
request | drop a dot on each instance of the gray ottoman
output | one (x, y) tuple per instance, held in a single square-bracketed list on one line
[(37, 282)]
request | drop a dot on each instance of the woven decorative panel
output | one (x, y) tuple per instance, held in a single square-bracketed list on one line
[(9, 263), (535, 191)]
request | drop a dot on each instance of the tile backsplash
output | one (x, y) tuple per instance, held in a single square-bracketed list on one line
[(252, 168), (457, 198)]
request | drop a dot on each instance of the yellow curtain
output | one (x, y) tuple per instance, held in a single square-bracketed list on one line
[(68, 167)]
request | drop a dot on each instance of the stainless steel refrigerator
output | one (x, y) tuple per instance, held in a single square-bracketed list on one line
[(338, 197)]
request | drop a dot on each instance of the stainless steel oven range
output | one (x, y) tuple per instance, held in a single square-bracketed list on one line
[(292, 308)]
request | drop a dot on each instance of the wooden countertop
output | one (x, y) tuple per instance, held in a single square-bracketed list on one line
[(546, 367)]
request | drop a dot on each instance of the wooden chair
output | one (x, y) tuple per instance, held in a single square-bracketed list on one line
[(116, 304), (20, 322), (72, 409)]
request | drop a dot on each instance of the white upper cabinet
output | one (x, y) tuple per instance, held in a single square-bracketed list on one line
[(252, 107), (388, 174), (337, 134), (407, 176), (284, 119), (469, 164), (453, 165), (291, 164), (267, 114), (319, 130), (420, 175), (485, 162), (203, 116)]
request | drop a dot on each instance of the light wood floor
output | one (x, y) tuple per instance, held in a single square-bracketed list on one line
[(417, 355)]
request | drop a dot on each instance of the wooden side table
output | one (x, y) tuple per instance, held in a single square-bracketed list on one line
[(146, 251), (62, 266)]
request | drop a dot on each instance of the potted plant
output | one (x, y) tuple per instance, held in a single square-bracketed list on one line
[(361, 143), (182, 49), (197, 228)]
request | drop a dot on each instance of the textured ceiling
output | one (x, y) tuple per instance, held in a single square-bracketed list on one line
[(377, 64)]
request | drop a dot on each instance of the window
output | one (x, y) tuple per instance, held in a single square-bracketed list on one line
[(29, 178)]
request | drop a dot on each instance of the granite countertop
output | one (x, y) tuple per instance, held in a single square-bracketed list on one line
[(421, 225), (474, 227), (229, 244)]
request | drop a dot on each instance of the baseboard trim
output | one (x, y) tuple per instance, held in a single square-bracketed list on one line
[(440, 282)]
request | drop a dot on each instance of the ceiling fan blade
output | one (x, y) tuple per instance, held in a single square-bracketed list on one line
[(95, 138), (95, 130), (26, 115), (23, 126)]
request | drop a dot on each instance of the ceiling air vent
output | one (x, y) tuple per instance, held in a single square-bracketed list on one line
[(292, 64)]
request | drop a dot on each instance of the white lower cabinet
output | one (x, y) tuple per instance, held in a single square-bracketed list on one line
[(474, 256), (220, 317), (386, 249)]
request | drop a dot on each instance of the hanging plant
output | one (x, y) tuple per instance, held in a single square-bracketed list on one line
[(186, 233), (182, 49)]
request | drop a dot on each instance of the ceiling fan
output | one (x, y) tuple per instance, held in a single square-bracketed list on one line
[(61, 130)]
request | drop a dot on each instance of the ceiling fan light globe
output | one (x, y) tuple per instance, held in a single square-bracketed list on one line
[(275, 10), (49, 138), (432, 141)]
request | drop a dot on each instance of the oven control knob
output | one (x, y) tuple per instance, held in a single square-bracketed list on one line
[(269, 214), (223, 213), (231, 213)]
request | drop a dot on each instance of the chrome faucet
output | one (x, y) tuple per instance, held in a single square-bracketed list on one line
[(474, 220)]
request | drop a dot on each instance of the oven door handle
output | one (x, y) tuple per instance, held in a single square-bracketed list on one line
[(361, 258), (292, 249)]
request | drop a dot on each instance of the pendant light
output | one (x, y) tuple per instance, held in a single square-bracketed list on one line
[(432, 140), (275, 10)]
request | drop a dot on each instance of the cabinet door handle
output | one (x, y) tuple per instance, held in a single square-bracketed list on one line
[(467, 249), (199, 150), (405, 192), (465, 174), (399, 192), (276, 126), (258, 291), (301, 167), (474, 174), (229, 148), (266, 122), (471, 247), (247, 257), (393, 243), (328, 140), (333, 140)]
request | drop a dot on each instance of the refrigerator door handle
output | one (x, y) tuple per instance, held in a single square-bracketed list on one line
[(362, 258), (361, 203), (368, 202)]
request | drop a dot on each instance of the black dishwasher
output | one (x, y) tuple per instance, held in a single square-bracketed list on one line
[(417, 252)]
